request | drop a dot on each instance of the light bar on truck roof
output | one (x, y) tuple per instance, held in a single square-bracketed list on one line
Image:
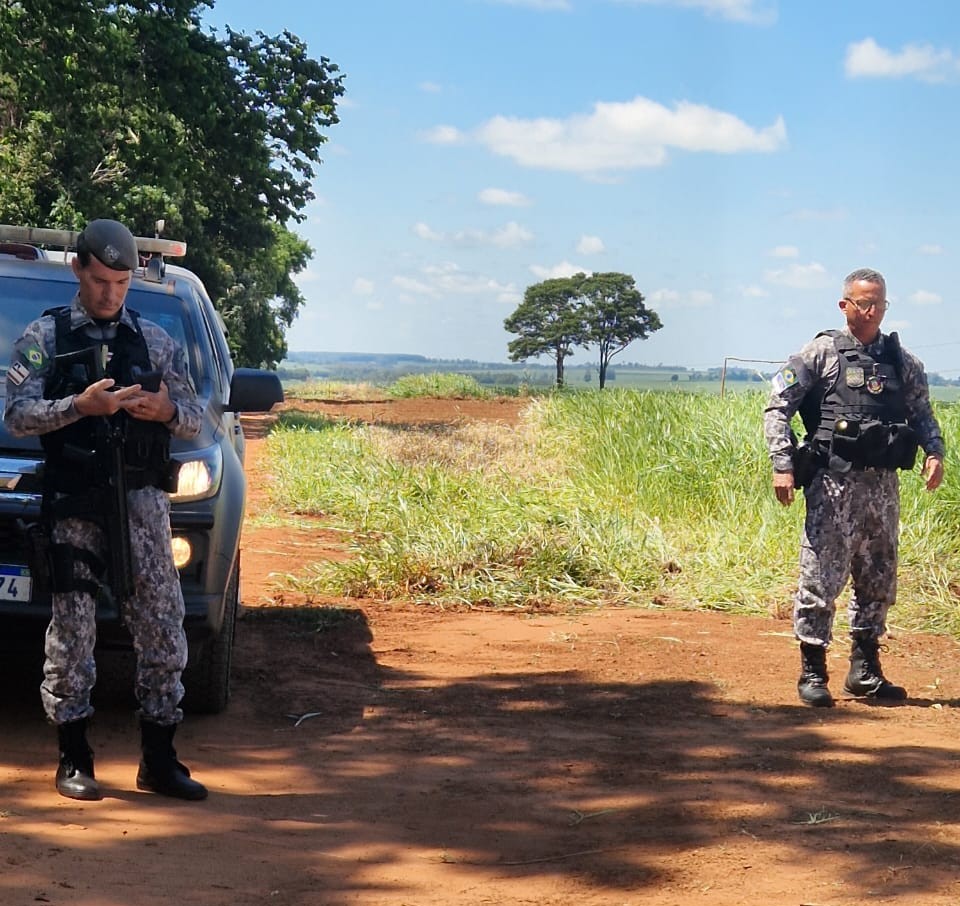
[(67, 239)]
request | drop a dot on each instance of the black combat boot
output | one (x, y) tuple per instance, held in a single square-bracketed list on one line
[(75, 778), (160, 772), (812, 684), (866, 677)]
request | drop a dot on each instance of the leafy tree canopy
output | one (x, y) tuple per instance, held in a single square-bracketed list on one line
[(604, 310), (132, 110), (548, 322), (614, 315)]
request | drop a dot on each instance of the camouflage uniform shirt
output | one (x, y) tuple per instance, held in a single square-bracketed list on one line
[(817, 366), (852, 519), (154, 613), (27, 412)]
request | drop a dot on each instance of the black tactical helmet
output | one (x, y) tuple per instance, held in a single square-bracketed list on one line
[(111, 243)]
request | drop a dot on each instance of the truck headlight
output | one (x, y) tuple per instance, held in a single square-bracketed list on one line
[(199, 476)]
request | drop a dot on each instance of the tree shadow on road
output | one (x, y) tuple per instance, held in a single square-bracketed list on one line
[(336, 768)]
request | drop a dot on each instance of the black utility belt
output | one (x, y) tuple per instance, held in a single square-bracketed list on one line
[(857, 467)]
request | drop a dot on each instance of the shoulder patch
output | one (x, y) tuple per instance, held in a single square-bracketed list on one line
[(17, 373), (34, 355), (785, 377)]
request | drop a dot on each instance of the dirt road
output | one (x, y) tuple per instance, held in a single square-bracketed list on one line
[(386, 755)]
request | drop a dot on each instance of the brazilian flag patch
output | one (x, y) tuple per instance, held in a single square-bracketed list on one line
[(34, 355), (785, 377)]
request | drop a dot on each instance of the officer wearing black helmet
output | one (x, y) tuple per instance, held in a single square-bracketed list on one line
[(40, 401)]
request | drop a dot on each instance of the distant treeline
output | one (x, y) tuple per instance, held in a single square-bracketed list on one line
[(385, 368)]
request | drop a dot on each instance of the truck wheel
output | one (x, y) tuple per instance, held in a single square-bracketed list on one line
[(207, 682)]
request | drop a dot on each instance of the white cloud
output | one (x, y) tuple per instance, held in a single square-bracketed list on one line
[(664, 296), (867, 59), (503, 197), (510, 235), (442, 135), (363, 287), (440, 281), (563, 269), (932, 248), (590, 245), (784, 251), (624, 136), (799, 276), (422, 231), (414, 287), (923, 297), (754, 292), (754, 12), (431, 87), (671, 298)]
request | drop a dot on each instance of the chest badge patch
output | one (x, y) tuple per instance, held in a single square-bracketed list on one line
[(855, 378), (875, 384)]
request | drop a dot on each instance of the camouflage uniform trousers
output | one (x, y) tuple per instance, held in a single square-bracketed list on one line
[(153, 615), (851, 531)]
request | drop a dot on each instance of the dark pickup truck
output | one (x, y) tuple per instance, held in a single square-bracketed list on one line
[(208, 505)]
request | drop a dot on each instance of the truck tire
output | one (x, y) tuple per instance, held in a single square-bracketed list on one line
[(207, 682)]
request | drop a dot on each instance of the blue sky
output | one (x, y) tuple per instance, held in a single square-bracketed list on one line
[(737, 157)]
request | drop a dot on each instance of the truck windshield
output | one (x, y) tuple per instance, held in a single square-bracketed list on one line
[(25, 300)]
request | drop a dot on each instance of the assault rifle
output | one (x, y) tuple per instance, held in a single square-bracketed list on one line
[(107, 458)]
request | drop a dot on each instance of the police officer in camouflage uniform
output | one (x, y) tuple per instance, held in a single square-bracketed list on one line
[(41, 402), (865, 407)]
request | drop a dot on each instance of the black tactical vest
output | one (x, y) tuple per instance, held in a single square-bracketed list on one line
[(861, 420), (146, 445)]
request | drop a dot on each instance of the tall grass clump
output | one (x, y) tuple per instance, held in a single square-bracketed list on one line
[(695, 466), (334, 390), (929, 585), (462, 514), (620, 495), (442, 385)]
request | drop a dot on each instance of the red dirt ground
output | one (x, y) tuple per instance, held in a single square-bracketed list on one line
[(391, 755)]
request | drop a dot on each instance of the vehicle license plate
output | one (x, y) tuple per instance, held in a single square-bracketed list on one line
[(15, 583)]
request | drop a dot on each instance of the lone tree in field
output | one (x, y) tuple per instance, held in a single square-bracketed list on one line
[(548, 322), (614, 316), (605, 310)]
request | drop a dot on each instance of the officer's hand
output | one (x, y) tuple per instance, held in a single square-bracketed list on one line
[(783, 487), (151, 407), (932, 472), (99, 399)]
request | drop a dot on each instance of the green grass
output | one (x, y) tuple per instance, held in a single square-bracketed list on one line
[(633, 497), (445, 386), (333, 390)]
